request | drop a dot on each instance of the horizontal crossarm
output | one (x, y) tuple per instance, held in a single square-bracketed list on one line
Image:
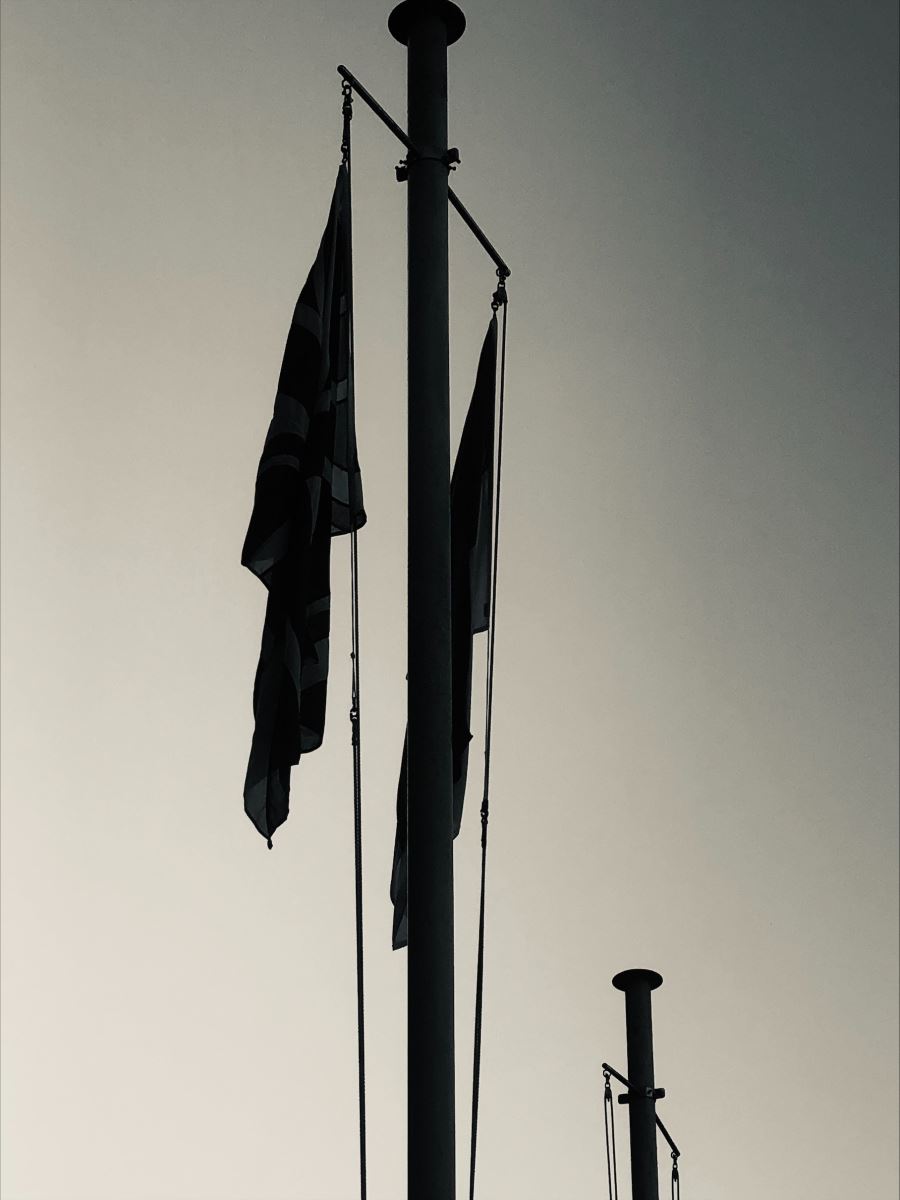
[(365, 95), (659, 1094)]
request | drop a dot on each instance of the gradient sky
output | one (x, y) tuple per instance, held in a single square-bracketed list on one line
[(694, 763)]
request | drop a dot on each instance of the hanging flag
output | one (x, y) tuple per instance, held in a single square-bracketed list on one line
[(471, 506), (308, 488)]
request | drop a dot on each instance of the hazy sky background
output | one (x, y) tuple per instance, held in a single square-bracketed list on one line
[(695, 730)]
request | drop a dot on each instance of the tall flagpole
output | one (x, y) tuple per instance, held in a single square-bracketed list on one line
[(426, 28)]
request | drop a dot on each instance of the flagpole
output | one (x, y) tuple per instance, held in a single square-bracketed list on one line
[(426, 28), (637, 985)]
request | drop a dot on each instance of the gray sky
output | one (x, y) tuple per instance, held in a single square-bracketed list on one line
[(694, 750)]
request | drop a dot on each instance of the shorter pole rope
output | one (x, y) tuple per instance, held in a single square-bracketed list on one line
[(676, 1178), (612, 1122), (609, 1128)]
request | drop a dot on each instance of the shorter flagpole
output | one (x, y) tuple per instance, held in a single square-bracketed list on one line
[(637, 985)]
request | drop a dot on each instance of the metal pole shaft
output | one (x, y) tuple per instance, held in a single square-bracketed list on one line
[(637, 986), (426, 29), (431, 1097)]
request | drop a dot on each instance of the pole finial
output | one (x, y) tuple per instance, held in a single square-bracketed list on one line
[(406, 12), (626, 979)]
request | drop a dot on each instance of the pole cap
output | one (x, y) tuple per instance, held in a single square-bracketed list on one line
[(637, 975), (405, 13)]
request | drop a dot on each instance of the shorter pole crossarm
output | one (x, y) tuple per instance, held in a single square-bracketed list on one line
[(659, 1125), (365, 95), (676, 1153)]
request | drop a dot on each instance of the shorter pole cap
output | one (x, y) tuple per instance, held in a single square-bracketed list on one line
[(637, 975)]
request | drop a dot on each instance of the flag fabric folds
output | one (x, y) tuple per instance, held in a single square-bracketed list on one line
[(471, 507), (308, 488)]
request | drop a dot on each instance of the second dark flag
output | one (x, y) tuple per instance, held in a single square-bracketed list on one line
[(471, 508)]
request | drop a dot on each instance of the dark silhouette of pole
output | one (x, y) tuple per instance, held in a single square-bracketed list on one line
[(426, 28), (637, 986)]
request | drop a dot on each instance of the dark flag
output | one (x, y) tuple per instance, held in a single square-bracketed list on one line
[(308, 488), (471, 506)]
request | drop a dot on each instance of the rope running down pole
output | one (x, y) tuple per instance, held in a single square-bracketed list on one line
[(499, 301), (347, 113)]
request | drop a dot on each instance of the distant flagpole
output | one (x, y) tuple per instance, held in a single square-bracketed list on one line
[(426, 28), (637, 985)]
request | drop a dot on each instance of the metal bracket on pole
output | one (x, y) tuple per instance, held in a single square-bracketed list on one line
[(449, 160), (643, 1094)]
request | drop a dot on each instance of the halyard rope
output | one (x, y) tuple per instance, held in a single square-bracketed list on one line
[(347, 112), (499, 301)]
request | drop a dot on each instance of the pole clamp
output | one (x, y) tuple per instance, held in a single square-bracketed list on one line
[(449, 160), (646, 1093)]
